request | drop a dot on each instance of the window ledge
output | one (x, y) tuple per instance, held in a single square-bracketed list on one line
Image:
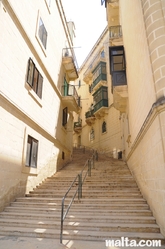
[(35, 97)]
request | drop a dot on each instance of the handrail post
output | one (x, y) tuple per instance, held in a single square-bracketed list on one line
[(89, 167), (96, 155), (79, 186), (93, 161), (62, 220)]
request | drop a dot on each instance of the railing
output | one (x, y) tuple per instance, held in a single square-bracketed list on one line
[(80, 178), (70, 90), (101, 77), (89, 114), (69, 52), (115, 32), (101, 103), (78, 124)]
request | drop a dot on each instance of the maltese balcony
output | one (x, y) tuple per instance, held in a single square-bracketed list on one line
[(90, 117), (118, 76), (88, 75), (70, 98), (70, 63), (100, 98), (78, 126), (99, 76)]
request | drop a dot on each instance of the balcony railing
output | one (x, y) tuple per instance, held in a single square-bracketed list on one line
[(70, 63), (115, 32), (108, 1), (89, 114), (101, 77), (78, 126), (100, 104), (70, 90)]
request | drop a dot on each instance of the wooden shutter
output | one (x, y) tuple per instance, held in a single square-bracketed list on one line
[(30, 72), (40, 83), (65, 115)]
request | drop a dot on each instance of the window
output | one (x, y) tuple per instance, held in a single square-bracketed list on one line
[(117, 66), (92, 134), (42, 33), (65, 115), (79, 83), (63, 155), (104, 127), (100, 70), (31, 152), (102, 54), (117, 59), (100, 94), (34, 78), (79, 101)]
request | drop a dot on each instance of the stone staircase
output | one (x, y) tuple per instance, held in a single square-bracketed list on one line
[(112, 206)]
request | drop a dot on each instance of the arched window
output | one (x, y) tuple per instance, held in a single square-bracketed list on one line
[(104, 127), (92, 134)]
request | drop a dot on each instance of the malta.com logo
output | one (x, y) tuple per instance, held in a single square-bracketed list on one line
[(126, 242)]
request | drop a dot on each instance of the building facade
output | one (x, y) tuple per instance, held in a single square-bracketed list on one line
[(137, 69), (98, 123), (37, 63)]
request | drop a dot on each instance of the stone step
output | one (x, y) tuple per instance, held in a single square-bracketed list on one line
[(75, 212), (86, 191), (78, 235), (107, 201), (92, 226), (89, 195), (86, 188), (91, 184), (83, 211), (71, 218), (82, 205)]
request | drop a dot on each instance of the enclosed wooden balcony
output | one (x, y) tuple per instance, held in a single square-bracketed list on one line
[(118, 76), (90, 117), (88, 75), (99, 76), (70, 63), (70, 98), (100, 98)]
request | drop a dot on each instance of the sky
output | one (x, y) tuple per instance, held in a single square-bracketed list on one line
[(89, 17)]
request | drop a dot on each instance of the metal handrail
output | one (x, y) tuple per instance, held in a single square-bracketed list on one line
[(78, 189)]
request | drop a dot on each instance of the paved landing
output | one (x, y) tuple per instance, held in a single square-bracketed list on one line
[(13, 242)]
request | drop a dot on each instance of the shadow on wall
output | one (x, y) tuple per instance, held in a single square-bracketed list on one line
[(16, 178)]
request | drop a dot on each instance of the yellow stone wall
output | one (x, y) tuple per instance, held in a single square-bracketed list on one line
[(111, 139), (143, 25), (22, 112)]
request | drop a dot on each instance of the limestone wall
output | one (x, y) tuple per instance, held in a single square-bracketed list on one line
[(22, 112)]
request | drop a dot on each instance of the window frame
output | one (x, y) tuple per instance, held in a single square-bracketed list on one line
[(31, 152), (92, 134), (36, 83), (104, 127), (64, 116), (43, 47)]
